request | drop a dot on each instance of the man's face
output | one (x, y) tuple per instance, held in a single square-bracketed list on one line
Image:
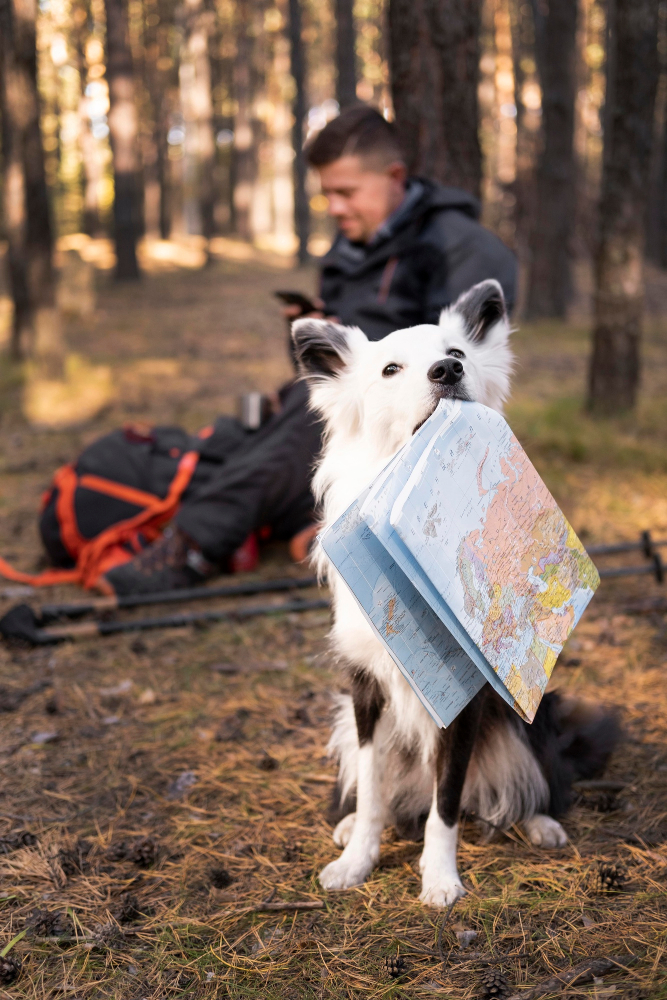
[(361, 196)]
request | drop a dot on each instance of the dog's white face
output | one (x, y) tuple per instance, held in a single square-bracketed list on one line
[(382, 391)]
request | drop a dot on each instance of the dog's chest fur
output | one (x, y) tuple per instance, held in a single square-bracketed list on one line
[(346, 468)]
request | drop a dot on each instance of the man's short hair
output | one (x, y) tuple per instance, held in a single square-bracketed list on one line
[(358, 131)]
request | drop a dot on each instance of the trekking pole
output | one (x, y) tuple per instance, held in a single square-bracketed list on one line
[(20, 625), (53, 612), (647, 545)]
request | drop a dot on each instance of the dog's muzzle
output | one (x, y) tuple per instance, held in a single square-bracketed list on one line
[(449, 371), (445, 376)]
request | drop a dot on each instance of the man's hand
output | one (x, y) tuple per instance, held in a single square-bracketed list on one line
[(292, 312)]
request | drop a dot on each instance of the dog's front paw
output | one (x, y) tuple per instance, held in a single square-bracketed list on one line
[(543, 831), (345, 873), (343, 831), (440, 889)]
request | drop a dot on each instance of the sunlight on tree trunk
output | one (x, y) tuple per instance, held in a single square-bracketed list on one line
[(245, 147), (123, 133), (36, 329), (346, 56), (550, 242), (198, 107), (632, 77), (297, 69), (92, 167), (434, 57)]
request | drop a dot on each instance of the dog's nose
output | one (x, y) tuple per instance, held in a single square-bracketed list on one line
[(449, 371)]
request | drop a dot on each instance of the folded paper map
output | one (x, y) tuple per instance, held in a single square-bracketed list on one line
[(463, 563)]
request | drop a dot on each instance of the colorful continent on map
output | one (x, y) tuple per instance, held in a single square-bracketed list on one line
[(526, 596)]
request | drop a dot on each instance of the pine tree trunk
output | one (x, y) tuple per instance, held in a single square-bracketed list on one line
[(161, 82), (550, 280), (26, 204), (198, 107), (523, 48), (245, 151), (346, 57), (632, 78), (434, 59), (123, 135), (92, 168), (659, 219), (297, 69), (163, 174)]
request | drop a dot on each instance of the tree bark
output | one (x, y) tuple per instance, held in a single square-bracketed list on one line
[(124, 139), (523, 48), (297, 69), (198, 107), (92, 168), (632, 78), (26, 203), (245, 145), (434, 60), (658, 213), (550, 280), (346, 56)]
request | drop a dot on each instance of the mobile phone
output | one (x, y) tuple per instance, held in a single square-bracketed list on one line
[(297, 299)]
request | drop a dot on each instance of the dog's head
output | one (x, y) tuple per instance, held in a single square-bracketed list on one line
[(386, 389)]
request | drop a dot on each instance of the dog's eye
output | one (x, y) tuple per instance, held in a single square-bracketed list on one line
[(455, 353), (391, 370)]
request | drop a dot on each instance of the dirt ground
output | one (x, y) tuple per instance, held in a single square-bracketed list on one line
[(161, 792)]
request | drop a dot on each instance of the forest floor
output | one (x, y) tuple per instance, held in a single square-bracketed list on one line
[(158, 790)]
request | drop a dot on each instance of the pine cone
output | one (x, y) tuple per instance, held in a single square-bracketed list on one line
[(17, 839), (127, 909), (292, 852), (219, 877), (394, 966), (143, 852), (610, 878), (72, 859), (10, 968), (117, 851), (493, 984), (49, 923)]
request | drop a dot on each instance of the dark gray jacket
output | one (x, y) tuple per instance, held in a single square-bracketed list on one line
[(428, 252)]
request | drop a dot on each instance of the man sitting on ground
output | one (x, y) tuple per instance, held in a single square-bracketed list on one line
[(406, 248)]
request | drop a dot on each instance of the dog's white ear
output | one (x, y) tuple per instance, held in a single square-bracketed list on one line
[(481, 307), (321, 348)]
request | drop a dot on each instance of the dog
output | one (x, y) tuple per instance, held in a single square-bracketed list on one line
[(396, 767)]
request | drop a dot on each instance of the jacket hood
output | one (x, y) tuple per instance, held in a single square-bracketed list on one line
[(423, 198)]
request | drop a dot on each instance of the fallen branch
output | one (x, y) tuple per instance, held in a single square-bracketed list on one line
[(585, 972), (306, 904)]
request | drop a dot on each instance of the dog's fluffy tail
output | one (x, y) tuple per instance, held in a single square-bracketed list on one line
[(572, 740), (516, 770)]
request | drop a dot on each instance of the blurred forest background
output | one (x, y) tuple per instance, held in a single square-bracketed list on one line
[(155, 120)]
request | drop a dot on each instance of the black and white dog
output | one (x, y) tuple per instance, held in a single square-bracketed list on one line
[(396, 766)]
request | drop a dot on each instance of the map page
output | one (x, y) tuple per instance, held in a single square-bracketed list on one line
[(375, 510), (485, 531), (440, 672)]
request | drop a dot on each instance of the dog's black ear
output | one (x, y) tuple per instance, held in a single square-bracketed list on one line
[(321, 348), (481, 307)]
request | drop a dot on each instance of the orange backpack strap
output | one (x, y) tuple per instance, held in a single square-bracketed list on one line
[(156, 515), (90, 554), (46, 579)]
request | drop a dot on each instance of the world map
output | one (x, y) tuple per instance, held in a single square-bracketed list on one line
[(463, 564), (484, 528)]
